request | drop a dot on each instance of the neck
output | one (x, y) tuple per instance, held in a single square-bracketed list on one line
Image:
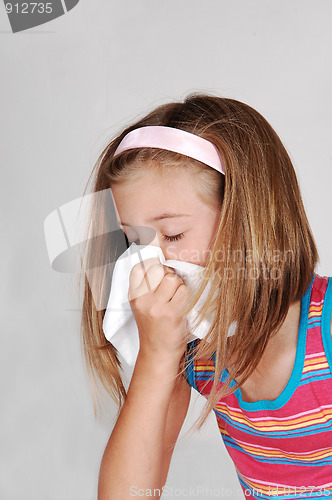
[(285, 340), (287, 334)]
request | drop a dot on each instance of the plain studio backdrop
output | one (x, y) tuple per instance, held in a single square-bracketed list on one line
[(66, 88)]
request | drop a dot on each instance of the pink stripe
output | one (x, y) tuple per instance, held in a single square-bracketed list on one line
[(308, 356), (279, 450)]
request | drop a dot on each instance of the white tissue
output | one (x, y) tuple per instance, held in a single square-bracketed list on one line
[(119, 323)]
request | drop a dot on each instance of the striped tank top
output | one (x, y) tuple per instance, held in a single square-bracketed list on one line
[(283, 448)]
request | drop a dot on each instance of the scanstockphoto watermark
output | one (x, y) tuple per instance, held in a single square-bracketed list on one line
[(239, 264), (199, 491), (253, 273), (203, 491), (225, 254)]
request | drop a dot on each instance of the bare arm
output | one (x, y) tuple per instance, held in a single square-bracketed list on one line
[(140, 447), (139, 450), (176, 414)]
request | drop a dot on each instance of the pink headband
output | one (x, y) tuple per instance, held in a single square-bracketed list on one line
[(172, 139)]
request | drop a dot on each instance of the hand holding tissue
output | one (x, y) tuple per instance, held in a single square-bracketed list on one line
[(119, 323)]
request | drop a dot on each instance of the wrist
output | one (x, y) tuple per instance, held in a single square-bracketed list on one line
[(153, 381), (159, 365)]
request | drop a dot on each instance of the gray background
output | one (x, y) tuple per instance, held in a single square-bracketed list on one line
[(66, 88)]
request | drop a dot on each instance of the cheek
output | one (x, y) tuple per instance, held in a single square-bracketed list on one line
[(187, 252), (178, 252), (194, 247), (209, 230), (201, 236), (197, 247)]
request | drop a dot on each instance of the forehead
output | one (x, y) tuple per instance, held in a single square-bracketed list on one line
[(152, 194)]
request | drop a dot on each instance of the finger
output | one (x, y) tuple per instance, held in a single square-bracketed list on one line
[(180, 296), (139, 270), (150, 281), (167, 287)]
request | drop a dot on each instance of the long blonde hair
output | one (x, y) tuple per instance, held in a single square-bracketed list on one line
[(267, 247)]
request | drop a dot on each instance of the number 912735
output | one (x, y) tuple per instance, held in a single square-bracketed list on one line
[(29, 8)]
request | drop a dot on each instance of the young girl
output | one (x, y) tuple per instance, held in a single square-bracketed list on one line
[(212, 179)]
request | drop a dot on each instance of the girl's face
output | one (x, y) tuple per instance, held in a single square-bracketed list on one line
[(184, 225)]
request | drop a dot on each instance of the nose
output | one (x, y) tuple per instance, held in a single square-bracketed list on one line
[(156, 242), (143, 235)]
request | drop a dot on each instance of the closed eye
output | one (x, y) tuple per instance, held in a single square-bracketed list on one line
[(166, 237), (176, 237)]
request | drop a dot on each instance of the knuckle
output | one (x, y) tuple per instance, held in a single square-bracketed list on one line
[(173, 277), (135, 272), (154, 271), (154, 276), (137, 267), (155, 267), (183, 292)]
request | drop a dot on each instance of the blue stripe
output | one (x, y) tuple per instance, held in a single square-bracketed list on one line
[(304, 431), (259, 458), (313, 324), (232, 444), (325, 375)]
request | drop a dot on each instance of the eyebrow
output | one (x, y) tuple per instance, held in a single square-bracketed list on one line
[(160, 217)]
